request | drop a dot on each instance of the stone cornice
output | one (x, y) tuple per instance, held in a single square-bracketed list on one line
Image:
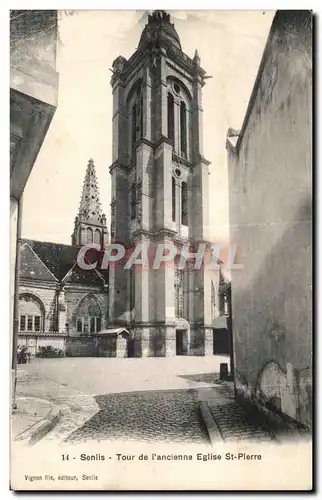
[(161, 140), (145, 141), (37, 283), (182, 161), (165, 233), (72, 287)]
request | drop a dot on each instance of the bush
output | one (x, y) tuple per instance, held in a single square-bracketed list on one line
[(49, 352)]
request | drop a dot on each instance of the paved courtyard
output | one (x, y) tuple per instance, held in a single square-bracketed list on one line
[(153, 399)]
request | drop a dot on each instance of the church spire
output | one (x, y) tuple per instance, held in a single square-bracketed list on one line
[(90, 207), (90, 223)]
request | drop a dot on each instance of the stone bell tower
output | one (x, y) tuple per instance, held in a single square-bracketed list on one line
[(160, 193), (90, 223)]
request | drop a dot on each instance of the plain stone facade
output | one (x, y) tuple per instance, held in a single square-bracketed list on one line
[(270, 178)]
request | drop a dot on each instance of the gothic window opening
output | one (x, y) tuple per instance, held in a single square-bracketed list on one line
[(79, 325), (30, 323), (178, 288), (183, 129), (141, 118), (133, 201), (31, 314), (22, 326), (184, 204), (88, 317), (37, 323), (95, 324), (173, 199), (133, 128), (89, 235), (170, 117), (97, 236)]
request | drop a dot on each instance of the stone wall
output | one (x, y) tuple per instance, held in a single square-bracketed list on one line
[(33, 342), (110, 346), (271, 222)]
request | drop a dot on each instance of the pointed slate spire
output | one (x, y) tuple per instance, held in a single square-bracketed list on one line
[(90, 206), (90, 223), (196, 58)]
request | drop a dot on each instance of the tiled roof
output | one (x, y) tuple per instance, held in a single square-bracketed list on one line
[(61, 259), (32, 267)]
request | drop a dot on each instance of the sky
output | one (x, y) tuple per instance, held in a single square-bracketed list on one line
[(230, 45)]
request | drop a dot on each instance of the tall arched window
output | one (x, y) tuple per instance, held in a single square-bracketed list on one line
[(97, 236), (184, 204), (88, 316), (173, 199), (31, 313), (133, 201), (141, 117), (170, 116), (183, 129), (133, 127), (178, 288), (89, 235)]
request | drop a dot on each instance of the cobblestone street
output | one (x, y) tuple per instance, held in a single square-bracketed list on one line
[(146, 399), (153, 416), (153, 399)]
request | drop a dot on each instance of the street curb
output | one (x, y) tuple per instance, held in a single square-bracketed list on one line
[(37, 431), (211, 425)]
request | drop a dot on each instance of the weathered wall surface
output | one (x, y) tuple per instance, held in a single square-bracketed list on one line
[(33, 44), (271, 222), (33, 342)]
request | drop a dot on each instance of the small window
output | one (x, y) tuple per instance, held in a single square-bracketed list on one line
[(37, 323), (30, 323), (79, 325), (22, 323), (93, 329)]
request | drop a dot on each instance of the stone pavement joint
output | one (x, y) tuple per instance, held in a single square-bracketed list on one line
[(211, 425), (33, 419)]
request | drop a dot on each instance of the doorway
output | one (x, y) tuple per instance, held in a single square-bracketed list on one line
[(221, 341), (181, 342)]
